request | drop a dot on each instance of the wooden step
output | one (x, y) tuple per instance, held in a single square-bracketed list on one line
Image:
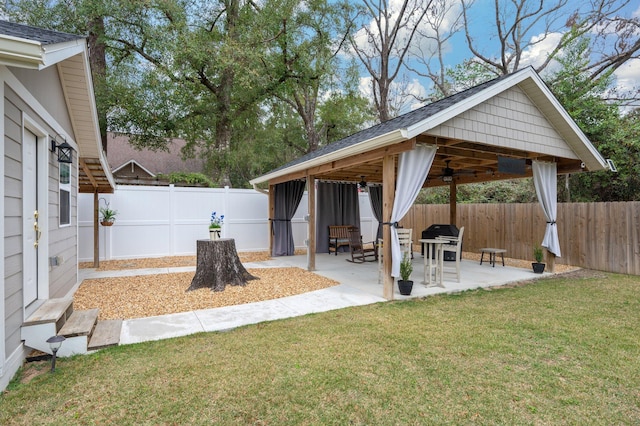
[(107, 333), (80, 323), (51, 310)]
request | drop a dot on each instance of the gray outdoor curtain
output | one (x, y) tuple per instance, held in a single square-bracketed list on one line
[(545, 179), (413, 168), (337, 204), (287, 197), (375, 199)]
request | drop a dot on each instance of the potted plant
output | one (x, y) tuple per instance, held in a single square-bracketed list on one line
[(108, 216), (538, 266), (215, 226), (406, 268)]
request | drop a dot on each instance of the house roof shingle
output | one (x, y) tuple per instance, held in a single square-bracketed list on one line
[(40, 35)]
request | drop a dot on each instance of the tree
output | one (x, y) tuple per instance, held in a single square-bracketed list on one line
[(442, 22), (521, 25), (383, 43), (192, 69), (76, 17), (196, 70), (319, 36), (616, 136)]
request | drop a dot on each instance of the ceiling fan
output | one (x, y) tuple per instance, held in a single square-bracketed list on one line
[(448, 173)]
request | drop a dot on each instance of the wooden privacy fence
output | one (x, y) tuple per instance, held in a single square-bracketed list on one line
[(602, 236)]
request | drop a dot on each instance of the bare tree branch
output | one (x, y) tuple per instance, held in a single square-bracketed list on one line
[(389, 36)]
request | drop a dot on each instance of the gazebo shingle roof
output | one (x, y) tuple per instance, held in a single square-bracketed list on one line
[(400, 122)]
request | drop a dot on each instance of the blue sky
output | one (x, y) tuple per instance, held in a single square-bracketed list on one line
[(481, 26)]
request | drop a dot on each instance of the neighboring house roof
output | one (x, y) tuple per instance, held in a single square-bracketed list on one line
[(427, 123), (29, 47), (121, 154), (134, 165)]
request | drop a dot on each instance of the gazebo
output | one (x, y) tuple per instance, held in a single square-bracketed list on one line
[(509, 127)]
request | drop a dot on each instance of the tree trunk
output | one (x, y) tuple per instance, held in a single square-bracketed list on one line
[(98, 63), (218, 264)]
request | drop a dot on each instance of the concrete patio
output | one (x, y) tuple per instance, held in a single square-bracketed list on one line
[(358, 286), (364, 276)]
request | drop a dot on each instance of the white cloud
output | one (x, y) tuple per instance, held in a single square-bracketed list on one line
[(403, 95), (422, 42), (628, 76), (416, 89), (365, 87), (540, 48)]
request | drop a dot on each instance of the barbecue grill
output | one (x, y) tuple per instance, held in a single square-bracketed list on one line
[(441, 230)]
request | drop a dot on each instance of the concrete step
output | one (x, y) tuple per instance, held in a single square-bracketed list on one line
[(106, 333), (81, 323)]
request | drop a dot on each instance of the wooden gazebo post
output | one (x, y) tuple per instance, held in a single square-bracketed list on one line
[(388, 196), (453, 202), (96, 230), (311, 248)]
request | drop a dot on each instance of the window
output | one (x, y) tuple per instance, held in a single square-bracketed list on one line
[(65, 194)]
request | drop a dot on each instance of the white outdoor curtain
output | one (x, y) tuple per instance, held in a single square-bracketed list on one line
[(413, 168), (545, 179)]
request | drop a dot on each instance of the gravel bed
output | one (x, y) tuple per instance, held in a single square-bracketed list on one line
[(150, 295), (166, 262)]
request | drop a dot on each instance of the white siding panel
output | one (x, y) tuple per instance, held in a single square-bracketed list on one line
[(509, 119), (64, 277), (12, 198), (45, 86), (13, 280), (13, 321)]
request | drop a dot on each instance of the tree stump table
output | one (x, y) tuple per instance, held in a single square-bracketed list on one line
[(218, 264)]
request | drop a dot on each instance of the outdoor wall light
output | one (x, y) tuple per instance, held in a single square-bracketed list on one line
[(54, 343), (65, 151)]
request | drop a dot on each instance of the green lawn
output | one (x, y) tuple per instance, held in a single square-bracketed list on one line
[(558, 351)]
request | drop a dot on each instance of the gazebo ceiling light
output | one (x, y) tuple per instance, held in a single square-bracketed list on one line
[(363, 183)]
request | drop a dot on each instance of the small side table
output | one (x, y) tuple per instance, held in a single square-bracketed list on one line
[(433, 246), (492, 255)]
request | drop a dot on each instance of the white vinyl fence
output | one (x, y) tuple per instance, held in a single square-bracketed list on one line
[(167, 221)]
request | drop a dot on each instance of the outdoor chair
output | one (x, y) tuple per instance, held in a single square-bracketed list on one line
[(338, 237), (406, 247), (454, 246), (406, 241), (379, 250), (360, 253)]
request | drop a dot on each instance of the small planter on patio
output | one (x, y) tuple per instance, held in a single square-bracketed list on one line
[(538, 266), (405, 285)]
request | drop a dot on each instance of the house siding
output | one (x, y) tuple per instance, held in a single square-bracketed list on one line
[(62, 241), (45, 86), (509, 120), (13, 306)]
